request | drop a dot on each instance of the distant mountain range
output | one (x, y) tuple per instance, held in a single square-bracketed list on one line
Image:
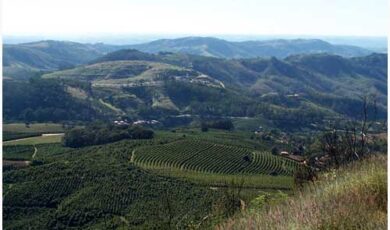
[(26, 59), (213, 47)]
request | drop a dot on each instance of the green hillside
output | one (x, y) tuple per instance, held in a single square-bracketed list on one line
[(353, 197), (298, 92)]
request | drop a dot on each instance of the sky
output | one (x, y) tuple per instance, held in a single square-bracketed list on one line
[(195, 17)]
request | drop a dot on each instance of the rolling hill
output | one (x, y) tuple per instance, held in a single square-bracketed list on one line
[(300, 89)]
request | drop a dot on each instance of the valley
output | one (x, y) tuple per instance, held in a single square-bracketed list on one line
[(183, 133)]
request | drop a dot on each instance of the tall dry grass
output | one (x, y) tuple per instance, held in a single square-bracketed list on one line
[(353, 197)]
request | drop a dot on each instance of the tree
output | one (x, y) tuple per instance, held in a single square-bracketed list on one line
[(28, 115), (275, 150), (349, 144), (203, 127)]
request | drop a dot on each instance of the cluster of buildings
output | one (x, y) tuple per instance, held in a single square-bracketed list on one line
[(145, 122), (138, 122)]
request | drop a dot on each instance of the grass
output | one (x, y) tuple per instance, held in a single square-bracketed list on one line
[(353, 197), (113, 108), (35, 140), (33, 128), (7, 136)]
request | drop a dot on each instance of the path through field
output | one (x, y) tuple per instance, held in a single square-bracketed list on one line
[(132, 156), (35, 152)]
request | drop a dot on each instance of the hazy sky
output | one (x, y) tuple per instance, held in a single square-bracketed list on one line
[(198, 17)]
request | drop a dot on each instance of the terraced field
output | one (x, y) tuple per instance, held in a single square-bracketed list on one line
[(208, 157)]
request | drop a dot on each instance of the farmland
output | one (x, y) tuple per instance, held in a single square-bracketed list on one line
[(119, 185), (99, 182), (13, 131), (35, 140), (208, 157), (18, 152), (33, 128)]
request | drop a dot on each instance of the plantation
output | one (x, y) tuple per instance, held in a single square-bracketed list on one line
[(98, 187), (94, 186), (18, 152), (208, 157)]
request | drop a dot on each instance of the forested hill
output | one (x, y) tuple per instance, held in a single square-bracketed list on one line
[(297, 91)]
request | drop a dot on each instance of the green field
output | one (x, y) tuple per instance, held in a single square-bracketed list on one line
[(33, 128), (14, 131), (35, 140)]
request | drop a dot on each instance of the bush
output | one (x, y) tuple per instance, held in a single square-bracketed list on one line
[(219, 124)]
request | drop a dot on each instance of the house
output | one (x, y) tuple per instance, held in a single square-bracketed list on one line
[(283, 153), (146, 122), (291, 156), (121, 122)]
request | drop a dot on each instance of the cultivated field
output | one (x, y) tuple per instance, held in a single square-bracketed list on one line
[(35, 140), (208, 157), (33, 128)]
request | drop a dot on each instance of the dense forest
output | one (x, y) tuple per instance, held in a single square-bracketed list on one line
[(100, 133)]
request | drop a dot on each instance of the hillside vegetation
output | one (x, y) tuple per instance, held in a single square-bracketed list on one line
[(353, 197), (297, 92)]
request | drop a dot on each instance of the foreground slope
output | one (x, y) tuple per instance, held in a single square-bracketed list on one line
[(354, 197)]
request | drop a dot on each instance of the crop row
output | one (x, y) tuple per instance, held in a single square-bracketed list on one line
[(202, 156)]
